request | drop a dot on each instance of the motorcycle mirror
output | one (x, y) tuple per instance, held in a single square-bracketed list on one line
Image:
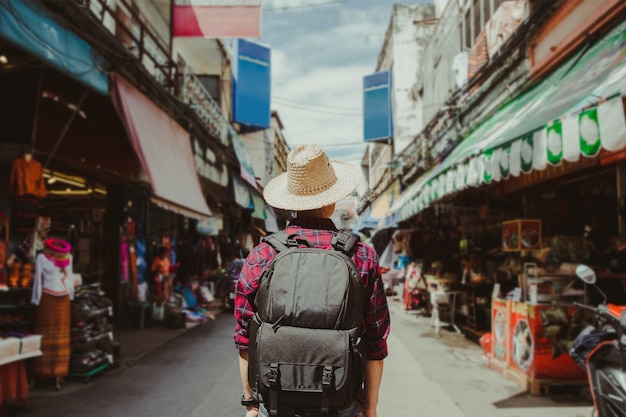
[(586, 274)]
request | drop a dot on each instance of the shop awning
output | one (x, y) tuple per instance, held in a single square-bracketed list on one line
[(32, 28), (164, 149), (406, 205), (259, 207), (574, 112), (373, 217), (243, 155)]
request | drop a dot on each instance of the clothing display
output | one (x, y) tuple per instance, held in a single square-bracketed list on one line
[(26, 178), (53, 289), (92, 346), (53, 323), (51, 279)]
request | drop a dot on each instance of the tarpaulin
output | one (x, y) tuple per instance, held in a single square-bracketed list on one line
[(32, 28)]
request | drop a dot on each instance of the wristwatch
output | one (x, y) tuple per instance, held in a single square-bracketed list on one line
[(248, 402)]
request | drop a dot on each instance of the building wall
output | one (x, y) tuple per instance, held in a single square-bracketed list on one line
[(440, 52), (410, 28)]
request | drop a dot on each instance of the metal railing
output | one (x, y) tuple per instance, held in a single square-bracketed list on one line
[(131, 28)]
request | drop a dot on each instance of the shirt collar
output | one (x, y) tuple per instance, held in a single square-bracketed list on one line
[(314, 223)]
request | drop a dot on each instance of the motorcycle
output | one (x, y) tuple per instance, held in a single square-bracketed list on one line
[(600, 349)]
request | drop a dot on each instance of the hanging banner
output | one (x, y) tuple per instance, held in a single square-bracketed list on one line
[(216, 18), (251, 84), (377, 116)]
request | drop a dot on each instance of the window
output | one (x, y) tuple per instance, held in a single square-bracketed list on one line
[(476, 18), (477, 12), (212, 85), (469, 41), (486, 11)]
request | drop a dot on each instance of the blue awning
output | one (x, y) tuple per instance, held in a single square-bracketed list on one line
[(32, 28)]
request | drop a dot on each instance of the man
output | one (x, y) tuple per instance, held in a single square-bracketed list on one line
[(311, 187)]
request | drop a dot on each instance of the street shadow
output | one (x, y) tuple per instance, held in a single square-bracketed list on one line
[(559, 396)]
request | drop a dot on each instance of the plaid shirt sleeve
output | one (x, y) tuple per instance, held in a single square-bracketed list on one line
[(375, 309), (245, 290)]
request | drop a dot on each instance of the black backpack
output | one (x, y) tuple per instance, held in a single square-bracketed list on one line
[(306, 350)]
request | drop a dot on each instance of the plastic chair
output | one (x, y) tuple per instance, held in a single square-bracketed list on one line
[(440, 301)]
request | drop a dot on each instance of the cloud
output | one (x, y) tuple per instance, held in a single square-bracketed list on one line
[(320, 55)]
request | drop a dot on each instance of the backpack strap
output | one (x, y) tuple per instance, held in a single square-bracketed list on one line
[(274, 381), (282, 241), (346, 242), (277, 240), (328, 385)]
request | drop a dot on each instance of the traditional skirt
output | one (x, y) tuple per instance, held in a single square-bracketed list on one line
[(53, 323)]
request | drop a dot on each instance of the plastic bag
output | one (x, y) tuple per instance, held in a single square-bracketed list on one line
[(158, 311)]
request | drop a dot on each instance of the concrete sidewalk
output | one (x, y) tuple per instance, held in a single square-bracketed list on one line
[(134, 344)]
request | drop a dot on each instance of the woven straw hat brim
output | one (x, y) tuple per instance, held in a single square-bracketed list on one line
[(276, 192)]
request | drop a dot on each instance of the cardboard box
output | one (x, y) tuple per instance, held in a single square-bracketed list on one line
[(521, 234), (9, 350)]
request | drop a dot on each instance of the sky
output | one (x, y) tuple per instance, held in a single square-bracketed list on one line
[(320, 52)]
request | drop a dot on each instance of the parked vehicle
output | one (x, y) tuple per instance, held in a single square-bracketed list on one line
[(601, 350)]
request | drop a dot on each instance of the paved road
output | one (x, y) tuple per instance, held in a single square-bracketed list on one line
[(196, 375)]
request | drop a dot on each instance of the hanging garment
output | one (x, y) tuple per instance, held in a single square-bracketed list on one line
[(53, 323), (124, 259), (26, 178), (133, 275)]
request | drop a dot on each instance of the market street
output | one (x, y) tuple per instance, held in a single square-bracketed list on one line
[(196, 375)]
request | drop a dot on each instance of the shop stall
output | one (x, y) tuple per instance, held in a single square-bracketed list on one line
[(534, 326)]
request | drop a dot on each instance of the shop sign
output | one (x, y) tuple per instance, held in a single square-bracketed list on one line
[(251, 84), (216, 18), (377, 107), (207, 165)]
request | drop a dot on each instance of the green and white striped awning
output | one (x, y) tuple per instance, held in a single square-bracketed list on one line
[(574, 112)]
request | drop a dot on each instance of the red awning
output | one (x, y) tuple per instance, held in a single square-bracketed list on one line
[(164, 149)]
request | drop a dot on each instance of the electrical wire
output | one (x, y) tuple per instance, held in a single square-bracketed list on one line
[(304, 6), (329, 112), (286, 100)]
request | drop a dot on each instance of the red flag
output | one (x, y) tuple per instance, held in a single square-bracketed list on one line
[(217, 18)]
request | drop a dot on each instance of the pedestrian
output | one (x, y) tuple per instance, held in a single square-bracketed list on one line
[(310, 188), (161, 276)]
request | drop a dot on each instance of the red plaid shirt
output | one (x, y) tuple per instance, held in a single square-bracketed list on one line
[(320, 233)]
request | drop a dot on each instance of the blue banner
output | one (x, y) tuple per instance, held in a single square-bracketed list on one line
[(30, 27), (377, 119), (251, 84)]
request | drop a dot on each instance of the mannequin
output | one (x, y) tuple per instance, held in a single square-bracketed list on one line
[(53, 289)]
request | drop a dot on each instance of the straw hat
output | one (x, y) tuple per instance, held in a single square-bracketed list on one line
[(311, 181)]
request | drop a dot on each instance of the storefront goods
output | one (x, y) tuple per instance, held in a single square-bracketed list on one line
[(521, 234), (92, 344), (530, 343), (53, 323)]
